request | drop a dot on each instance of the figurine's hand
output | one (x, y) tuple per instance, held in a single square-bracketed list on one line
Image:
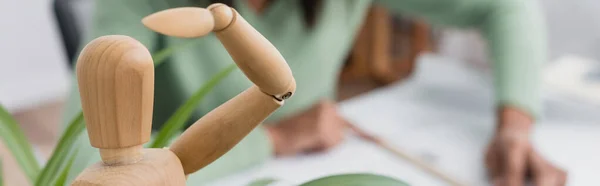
[(511, 158), (317, 129)]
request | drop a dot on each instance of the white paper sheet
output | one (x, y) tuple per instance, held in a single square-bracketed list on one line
[(443, 115)]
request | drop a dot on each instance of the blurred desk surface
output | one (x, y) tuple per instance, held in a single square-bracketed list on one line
[(443, 114)]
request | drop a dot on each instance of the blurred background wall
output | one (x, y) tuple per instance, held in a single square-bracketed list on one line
[(32, 68), (34, 77), (573, 28)]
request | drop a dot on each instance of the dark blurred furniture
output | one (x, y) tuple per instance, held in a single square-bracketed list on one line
[(66, 18), (384, 52)]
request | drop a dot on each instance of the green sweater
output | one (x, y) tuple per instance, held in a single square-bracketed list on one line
[(514, 30)]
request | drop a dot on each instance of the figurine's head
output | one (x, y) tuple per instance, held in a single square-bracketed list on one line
[(115, 75)]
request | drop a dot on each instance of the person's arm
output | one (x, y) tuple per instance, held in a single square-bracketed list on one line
[(515, 32), (516, 38)]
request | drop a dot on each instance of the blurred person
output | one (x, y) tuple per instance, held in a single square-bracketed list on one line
[(315, 37)]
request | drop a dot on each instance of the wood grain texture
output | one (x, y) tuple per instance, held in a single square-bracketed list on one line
[(184, 22), (220, 130), (254, 54), (115, 75), (121, 156), (260, 61), (158, 167)]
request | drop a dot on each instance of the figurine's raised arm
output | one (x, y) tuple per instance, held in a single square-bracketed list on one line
[(217, 132), (252, 52)]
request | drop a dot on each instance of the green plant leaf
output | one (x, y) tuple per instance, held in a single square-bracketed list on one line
[(177, 121), (62, 179), (355, 180), (16, 142), (161, 56), (262, 182), (61, 152)]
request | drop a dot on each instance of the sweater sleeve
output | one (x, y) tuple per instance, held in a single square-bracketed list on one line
[(516, 39), (516, 34)]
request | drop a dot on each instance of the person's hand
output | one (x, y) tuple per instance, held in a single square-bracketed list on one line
[(316, 129), (511, 159)]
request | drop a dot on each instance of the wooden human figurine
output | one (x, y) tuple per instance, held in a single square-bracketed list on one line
[(116, 83)]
